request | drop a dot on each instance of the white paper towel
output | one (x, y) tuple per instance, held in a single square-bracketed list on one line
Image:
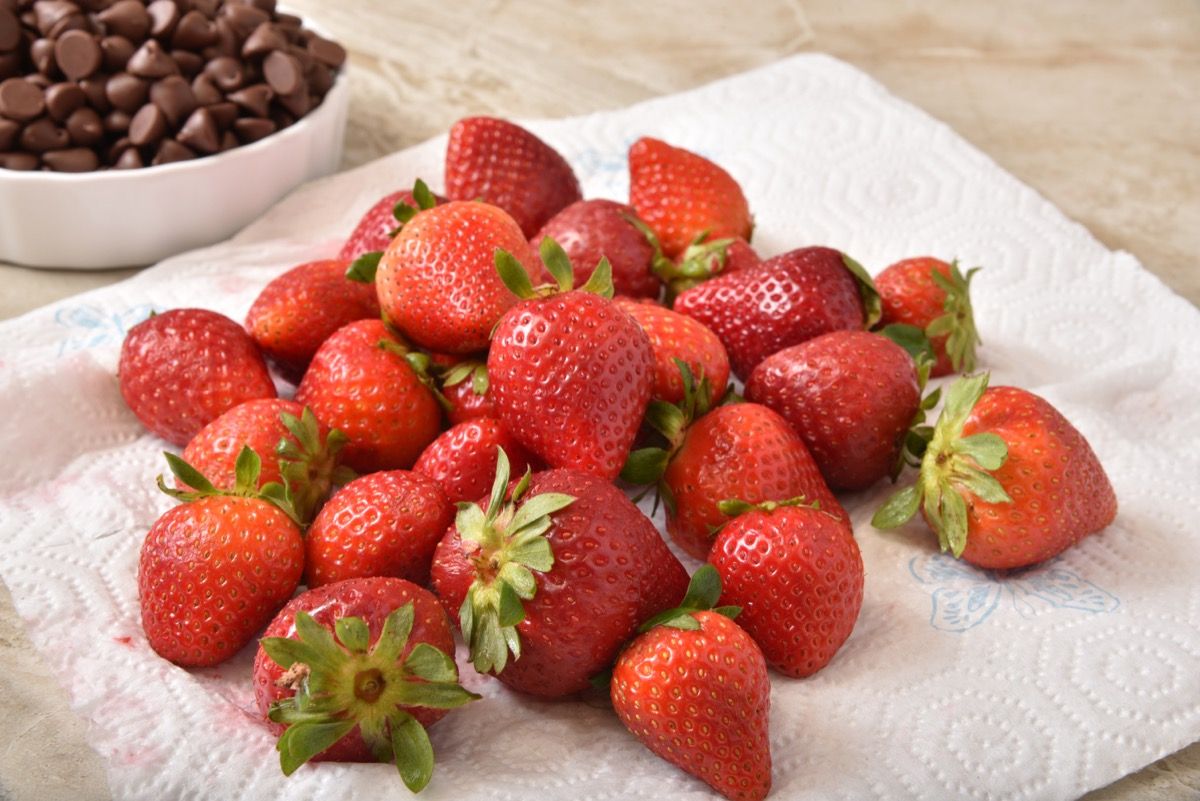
[(956, 683)]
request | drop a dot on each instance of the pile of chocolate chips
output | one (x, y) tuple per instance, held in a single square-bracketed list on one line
[(94, 84)]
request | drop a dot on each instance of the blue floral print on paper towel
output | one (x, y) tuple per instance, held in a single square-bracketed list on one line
[(91, 327), (964, 596)]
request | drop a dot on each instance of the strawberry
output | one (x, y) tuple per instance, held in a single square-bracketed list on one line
[(935, 297), (1006, 480), (560, 575), (213, 571), (382, 524), (738, 256), (704, 258), (362, 381), (682, 196), (797, 574), (590, 230), (693, 687), (355, 672), (570, 373), (294, 448), (467, 399), (463, 459), (300, 309), (503, 164), (675, 336), (377, 227), (782, 302), (184, 368), (850, 395), (437, 281)]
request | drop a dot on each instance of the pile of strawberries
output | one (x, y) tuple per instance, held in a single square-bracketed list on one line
[(479, 379)]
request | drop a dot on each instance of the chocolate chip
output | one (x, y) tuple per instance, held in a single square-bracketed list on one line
[(116, 51), (223, 113), (170, 151), (116, 121), (130, 159), (298, 102), (77, 54), (228, 141), (8, 133), (19, 161), (200, 132), (243, 19), (75, 159), (85, 126), (39, 80), (126, 92), (225, 72), (329, 53), (62, 99), (96, 5), (50, 12), (206, 7), (10, 65), (151, 61), (96, 90), (164, 15), (288, 21), (194, 32), (126, 18), (41, 53), (174, 96), (283, 73), (255, 99), (263, 40), (282, 118), (147, 126), (10, 30), (266, 6), (42, 135), (227, 43), (320, 80), (205, 91), (71, 22), (20, 100), (251, 129), (189, 63)]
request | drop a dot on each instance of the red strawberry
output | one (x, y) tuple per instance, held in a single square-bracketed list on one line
[(355, 672), (704, 258), (1006, 480), (561, 575), (694, 689), (463, 459), (213, 571), (382, 524), (503, 164), (682, 196), (738, 256), (184, 368), (590, 230), (674, 336), (784, 301), (934, 296), (570, 373), (377, 227), (437, 282), (363, 383), (797, 574), (465, 388), (850, 395), (300, 309)]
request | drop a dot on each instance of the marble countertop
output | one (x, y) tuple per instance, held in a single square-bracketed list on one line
[(1093, 105)]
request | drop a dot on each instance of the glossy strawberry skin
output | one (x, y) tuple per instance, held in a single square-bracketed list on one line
[(797, 574), (743, 451), (701, 701), (570, 376), (909, 296), (784, 301), (611, 571), (590, 230), (677, 336), (212, 573), (254, 424), (373, 396), (375, 230), (184, 368), (505, 165), (1060, 491), (462, 460), (467, 404), (371, 599), (437, 281), (851, 397), (300, 309), (681, 195)]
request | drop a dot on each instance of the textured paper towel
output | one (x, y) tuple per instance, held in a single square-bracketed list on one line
[(956, 682)]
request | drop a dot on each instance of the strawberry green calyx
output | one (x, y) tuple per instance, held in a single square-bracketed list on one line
[(558, 264), (704, 590), (958, 323), (363, 268), (343, 682), (732, 507), (701, 261), (646, 466), (872, 302), (309, 466), (952, 466), (507, 546), (916, 439), (471, 368), (911, 338), (419, 362), (247, 470)]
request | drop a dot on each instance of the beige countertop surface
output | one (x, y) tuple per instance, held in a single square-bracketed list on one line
[(1094, 104)]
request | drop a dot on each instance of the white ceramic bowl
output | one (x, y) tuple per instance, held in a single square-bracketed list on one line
[(124, 218)]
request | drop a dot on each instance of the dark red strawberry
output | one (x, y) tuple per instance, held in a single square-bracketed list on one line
[(934, 296), (784, 301), (1006, 480), (590, 230), (560, 575), (184, 368), (377, 227), (355, 672), (674, 336), (465, 388), (463, 459), (363, 383), (503, 164), (797, 574)]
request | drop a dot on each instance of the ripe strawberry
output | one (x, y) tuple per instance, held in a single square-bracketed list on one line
[(184, 368), (1006, 480), (467, 399), (674, 336), (570, 373), (590, 230), (850, 395), (760, 310), (693, 687), (355, 672), (703, 259), (437, 281), (934, 296), (377, 227), (797, 574), (300, 309), (382, 524), (463, 459), (682, 196), (213, 571), (738, 256), (503, 164), (561, 575), (363, 383)]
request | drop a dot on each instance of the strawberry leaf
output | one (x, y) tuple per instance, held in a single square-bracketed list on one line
[(898, 509), (872, 303), (513, 274), (303, 741), (363, 268), (413, 753), (600, 282), (558, 264)]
